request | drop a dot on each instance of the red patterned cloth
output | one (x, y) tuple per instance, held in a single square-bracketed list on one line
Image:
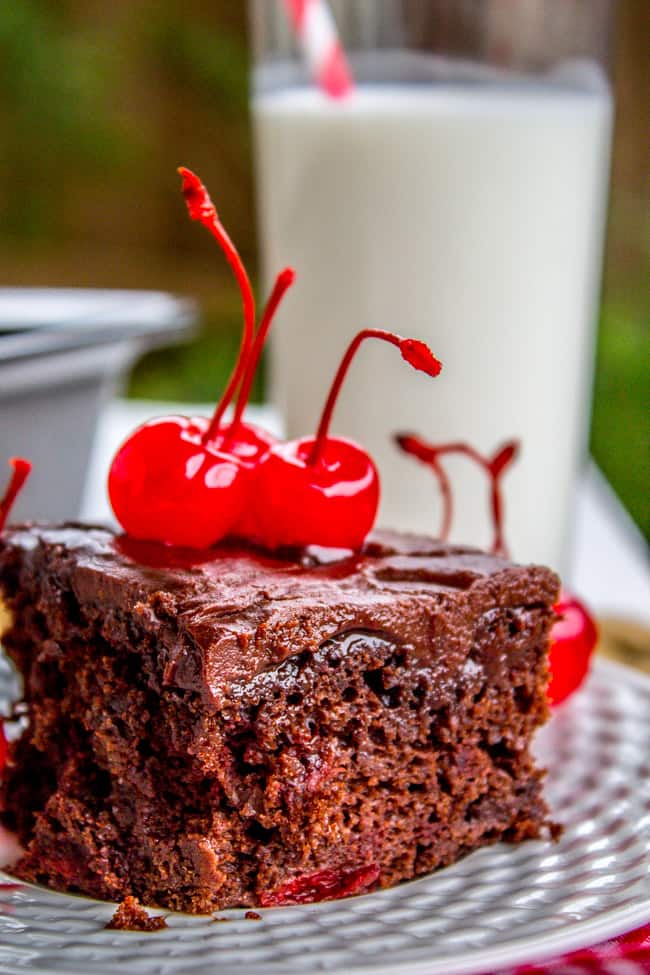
[(627, 955)]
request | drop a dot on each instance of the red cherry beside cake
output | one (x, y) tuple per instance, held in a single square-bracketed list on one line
[(573, 641)]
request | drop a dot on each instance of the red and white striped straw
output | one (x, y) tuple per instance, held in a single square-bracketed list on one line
[(316, 31)]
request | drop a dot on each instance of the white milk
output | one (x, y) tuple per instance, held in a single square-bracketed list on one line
[(468, 216)]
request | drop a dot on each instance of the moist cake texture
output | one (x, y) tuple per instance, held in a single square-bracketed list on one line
[(226, 728)]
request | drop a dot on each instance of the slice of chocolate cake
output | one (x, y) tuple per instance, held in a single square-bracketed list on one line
[(227, 728)]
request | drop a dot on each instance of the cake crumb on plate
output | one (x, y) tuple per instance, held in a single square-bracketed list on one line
[(131, 916)]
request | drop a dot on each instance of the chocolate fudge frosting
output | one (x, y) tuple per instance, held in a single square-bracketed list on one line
[(245, 611)]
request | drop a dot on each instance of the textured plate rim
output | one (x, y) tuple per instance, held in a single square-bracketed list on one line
[(472, 961), (581, 934)]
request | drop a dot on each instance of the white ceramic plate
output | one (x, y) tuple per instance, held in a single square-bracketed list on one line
[(497, 907)]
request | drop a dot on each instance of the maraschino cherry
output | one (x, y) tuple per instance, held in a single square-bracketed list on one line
[(175, 480), (574, 635), (325, 490), (573, 640), (168, 483)]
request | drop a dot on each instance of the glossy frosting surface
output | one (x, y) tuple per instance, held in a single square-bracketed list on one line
[(227, 613)]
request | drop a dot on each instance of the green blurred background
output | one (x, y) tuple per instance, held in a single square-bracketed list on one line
[(90, 196)]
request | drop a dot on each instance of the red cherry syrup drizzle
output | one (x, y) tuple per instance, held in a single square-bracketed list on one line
[(574, 635), (494, 467), (21, 471), (324, 490), (574, 638)]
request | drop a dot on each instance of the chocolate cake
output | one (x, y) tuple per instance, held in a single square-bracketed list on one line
[(220, 728)]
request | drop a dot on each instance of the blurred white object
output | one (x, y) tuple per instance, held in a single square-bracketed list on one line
[(462, 203)]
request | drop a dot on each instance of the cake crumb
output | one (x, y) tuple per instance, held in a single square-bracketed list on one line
[(131, 916), (216, 920), (252, 916)]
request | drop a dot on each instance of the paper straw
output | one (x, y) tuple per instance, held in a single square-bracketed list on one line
[(320, 45)]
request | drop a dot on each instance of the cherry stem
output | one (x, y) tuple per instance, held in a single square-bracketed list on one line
[(21, 471), (494, 467), (411, 444), (447, 498), (499, 545), (282, 284), (416, 353), (201, 208)]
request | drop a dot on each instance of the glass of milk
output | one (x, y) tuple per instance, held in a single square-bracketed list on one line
[(458, 195)]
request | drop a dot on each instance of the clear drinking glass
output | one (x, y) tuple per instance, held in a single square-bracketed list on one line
[(457, 195)]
